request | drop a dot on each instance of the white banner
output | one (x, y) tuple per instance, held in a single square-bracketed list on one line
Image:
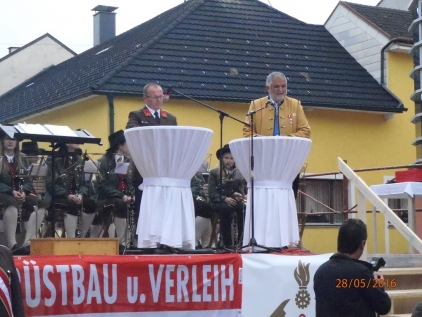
[(276, 286)]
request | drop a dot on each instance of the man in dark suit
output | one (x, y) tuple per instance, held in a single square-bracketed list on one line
[(151, 114)]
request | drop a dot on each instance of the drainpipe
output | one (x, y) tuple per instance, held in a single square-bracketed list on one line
[(394, 40), (111, 112)]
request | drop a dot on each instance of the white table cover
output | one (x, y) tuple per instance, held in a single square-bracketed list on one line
[(278, 160), (167, 157), (398, 190)]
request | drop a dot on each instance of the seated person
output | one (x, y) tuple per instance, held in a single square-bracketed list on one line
[(16, 191), (232, 190), (203, 212), (71, 190), (115, 190)]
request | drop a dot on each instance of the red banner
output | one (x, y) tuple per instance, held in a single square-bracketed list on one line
[(60, 285)]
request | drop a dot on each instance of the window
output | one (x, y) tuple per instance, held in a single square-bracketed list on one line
[(320, 192)]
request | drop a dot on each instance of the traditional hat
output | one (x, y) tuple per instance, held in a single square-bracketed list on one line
[(31, 147), (225, 149), (116, 138)]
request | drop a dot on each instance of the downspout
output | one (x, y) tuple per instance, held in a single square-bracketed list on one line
[(394, 40), (110, 98)]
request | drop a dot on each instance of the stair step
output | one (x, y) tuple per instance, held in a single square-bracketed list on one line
[(401, 271), (404, 293), (400, 260), (399, 315)]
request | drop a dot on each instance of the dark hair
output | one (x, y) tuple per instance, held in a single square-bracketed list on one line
[(350, 236), (417, 311)]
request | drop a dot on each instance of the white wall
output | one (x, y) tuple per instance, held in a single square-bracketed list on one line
[(360, 39), (22, 65)]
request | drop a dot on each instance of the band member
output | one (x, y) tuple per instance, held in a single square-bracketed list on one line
[(71, 190), (232, 190), (16, 192), (115, 189), (11, 303), (203, 212)]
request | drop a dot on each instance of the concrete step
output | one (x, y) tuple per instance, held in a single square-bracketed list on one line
[(396, 271), (404, 293), (399, 260)]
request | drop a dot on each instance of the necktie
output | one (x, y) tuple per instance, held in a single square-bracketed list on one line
[(157, 118), (276, 119)]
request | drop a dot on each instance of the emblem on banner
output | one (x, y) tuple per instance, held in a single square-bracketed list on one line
[(303, 298), (279, 312)]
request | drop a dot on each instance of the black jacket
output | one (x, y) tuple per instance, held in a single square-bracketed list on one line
[(342, 289)]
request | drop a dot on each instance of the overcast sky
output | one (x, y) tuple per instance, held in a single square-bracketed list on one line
[(71, 21)]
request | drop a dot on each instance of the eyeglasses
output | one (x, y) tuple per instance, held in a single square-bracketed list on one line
[(156, 97)]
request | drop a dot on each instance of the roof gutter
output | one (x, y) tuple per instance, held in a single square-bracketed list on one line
[(392, 41)]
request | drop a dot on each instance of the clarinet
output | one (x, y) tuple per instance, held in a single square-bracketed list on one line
[(19, 224), (131, 219), (78, 169)]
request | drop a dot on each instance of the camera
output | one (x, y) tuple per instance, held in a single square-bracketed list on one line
[(377, 263)]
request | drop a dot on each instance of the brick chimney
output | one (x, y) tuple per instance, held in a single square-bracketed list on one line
[(104, 24)]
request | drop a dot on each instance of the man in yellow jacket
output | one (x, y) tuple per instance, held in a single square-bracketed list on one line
[(290, 121), (291, 117)]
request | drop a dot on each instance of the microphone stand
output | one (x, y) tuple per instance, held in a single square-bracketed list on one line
[(222, 114), (252, 242)]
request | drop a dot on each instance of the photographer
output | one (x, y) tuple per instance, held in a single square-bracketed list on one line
[(344, 285)]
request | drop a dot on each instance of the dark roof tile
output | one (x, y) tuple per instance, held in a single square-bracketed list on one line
[(393, 22)]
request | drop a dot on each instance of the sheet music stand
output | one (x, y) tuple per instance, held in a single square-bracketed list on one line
[(38, 170), (55, 135), (91, 168)]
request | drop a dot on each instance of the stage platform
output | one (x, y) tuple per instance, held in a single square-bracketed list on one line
[(226, 285)]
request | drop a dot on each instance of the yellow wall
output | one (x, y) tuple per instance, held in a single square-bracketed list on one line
[(90, 115), (323, 239)]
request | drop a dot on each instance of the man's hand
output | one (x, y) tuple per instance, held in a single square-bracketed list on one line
[(230, 201), (19, 196), (76, 198), (127, 199), (379, 278)]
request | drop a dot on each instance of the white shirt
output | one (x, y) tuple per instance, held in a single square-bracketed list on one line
[(153, 112), (10, 158)]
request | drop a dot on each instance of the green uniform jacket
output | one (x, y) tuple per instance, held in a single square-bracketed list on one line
[(108, 184), (6, 179), (63, 179), (233, 184)]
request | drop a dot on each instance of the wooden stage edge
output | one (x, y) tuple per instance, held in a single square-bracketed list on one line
[(75, 246), (110, 246)]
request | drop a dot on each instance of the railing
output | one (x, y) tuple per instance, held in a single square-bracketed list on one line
[(365, 193)]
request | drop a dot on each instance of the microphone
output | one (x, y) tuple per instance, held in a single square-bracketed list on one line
[(250, 113), (167, 94)]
